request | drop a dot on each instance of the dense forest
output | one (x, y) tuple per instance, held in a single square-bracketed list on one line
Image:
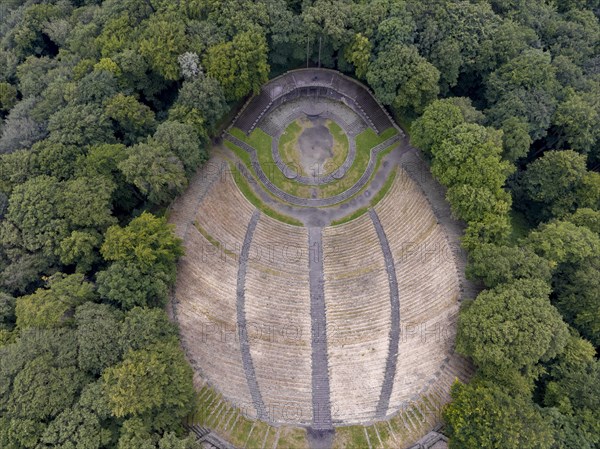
[(108, 107)]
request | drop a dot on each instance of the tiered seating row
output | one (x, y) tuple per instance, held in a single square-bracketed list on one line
[(278, 317), (428, 285), (183, 210), (224, 215), (206, 304), (358, 318), (313, 82), (206, 313)]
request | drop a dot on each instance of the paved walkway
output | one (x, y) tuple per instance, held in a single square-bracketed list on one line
[(394, 337), (241, 320), (321, 400)]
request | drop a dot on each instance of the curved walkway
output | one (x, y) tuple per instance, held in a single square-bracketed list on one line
[(313, 82), (392, 357), (314, 202), (241, 320), (337, 174)]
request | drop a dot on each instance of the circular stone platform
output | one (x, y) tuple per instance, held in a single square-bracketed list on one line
[(309, 151), (321, 325), (315, 145)]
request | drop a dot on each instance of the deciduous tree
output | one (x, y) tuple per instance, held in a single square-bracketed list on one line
[(153, 383), (155, 171), (240, 65), (511, 327), (482, 414), (403, 79)]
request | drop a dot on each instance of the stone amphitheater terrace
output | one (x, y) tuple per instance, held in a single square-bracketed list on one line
[(318, 312)]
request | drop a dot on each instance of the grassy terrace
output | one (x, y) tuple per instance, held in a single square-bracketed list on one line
[(340, 146), (245, 158), (408, 425), (232, 424), (287, 143), (261, 141), (247, 191)]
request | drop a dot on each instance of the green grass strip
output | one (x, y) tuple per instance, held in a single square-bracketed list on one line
[(212, 240), (247, 191)]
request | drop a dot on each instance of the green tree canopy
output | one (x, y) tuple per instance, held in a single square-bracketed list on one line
[(562, 242), (483, 415), (183, 141), (554, 184), (435, 125), (524, 87), (153, 383), (578, 117), (496, 265), (147, 241), (155, 171), (511, 327), (50, 307), (144, 327), (133, 120), (586, 217), (98, 328), (33, 222), (76, 427), (126, 284), (471, 155), (578, 295), (240, 65), (403, 79), (42, 391), (162, 42), (204, 95)]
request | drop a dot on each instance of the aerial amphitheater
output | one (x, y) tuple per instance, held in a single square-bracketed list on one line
[(318, 296)]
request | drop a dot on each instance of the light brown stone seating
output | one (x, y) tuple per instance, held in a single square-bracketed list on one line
[(206, 312), (358, 318), (224, 214), (280, 296), (183, 210), (206, 308), (278, 319), (428, 288), (422, 351)]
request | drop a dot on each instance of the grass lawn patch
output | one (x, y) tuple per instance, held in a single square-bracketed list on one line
[(287, 145), (261, 142), (351, 437), (369, 138)]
